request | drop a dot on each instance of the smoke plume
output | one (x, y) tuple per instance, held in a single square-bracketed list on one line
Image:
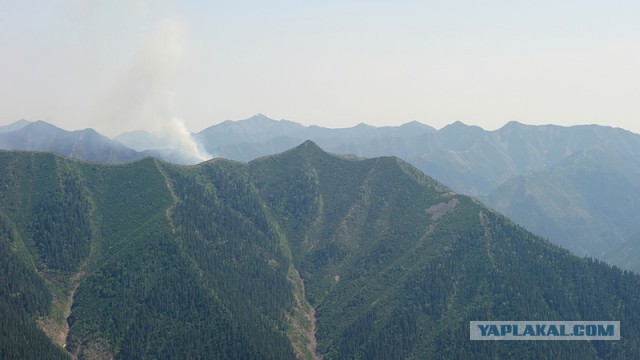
[(144, 97), (178, 137)]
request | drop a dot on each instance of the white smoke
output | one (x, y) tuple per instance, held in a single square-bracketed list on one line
[(178, 137), (144, 97)]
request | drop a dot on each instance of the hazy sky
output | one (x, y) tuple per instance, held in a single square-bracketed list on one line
[(123, 65)]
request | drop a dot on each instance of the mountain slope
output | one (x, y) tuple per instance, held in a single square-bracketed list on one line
[(467, 158), (89, 145), (145, 288), (255, 129), (365, 258), (140, 140), (14, 126), (587, 203), (551, 179), (160, 147), (627, 255), (398, 265), (82, 144), (259, 135)]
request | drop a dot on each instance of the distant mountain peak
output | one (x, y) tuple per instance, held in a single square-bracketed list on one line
[(90, 131), (513, 124), (459, 125), (413, 123), (43, 123), (456, 125), (363, 125), (417, 125), (86, 144), (260, 116), (14, 126)]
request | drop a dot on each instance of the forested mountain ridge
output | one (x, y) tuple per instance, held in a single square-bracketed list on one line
[(399, 262), (225, 260), (467, 158), (550, 179), (146, 290), (514, 169)]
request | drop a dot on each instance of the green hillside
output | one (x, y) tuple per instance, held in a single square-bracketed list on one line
[(145, 288), (397, 266), (301, 254)]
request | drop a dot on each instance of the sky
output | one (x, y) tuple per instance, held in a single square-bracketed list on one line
[(122, 65)]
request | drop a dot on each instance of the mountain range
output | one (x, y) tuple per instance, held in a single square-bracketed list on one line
[(302, 254), (85, 144), (577, 186), (82, 144)]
